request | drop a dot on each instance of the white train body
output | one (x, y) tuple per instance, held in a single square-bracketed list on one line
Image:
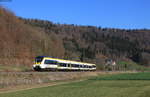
[(48, 63)]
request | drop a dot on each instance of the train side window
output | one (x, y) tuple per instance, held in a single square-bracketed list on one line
[(50, 62), (65, 65), (62, 64), (84, 66), (69, 65), (72, 65), (77, 65), (81, 66)]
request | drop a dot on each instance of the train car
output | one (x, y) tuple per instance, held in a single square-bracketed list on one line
[(49, 63)]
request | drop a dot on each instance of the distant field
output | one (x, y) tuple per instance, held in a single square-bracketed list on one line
[(125, 76), (131, 66), (95, 87)]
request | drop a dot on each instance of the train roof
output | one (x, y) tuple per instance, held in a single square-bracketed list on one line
[(63, 60)]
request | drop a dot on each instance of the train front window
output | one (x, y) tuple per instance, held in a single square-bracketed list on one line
[(38, 59)]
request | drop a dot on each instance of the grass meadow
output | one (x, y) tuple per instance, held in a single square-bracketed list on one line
[(116, 85)]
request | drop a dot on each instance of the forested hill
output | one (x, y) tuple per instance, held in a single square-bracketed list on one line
[(23, 39), (89, 43)]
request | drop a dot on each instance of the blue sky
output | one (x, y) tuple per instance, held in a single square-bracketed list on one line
[(126, 14)]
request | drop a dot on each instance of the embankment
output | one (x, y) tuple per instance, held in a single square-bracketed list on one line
[(14, 80)]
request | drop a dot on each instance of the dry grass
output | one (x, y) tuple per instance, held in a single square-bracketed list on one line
[(14, 79), (23, 80)]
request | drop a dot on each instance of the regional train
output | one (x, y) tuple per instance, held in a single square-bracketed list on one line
[(54, 64)]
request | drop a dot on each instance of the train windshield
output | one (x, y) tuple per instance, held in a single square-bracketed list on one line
[(38, 59)]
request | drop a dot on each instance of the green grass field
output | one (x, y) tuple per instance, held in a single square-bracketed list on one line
[(128, 85), (125, 76), (132, 66)]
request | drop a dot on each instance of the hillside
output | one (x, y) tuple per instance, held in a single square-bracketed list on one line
[(20, 43), (23, 39), (94, 44)]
